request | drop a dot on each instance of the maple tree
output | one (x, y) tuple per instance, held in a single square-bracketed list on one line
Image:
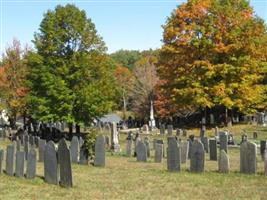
[(214, 53), (13, 86)]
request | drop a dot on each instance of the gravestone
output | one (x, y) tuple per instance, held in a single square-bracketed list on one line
[(74, 149), (178, 132), (205, 142), (173, 155), (31, 140), (248, 158), (81, 141), (137, 139), (107, 142), (223, 137), (262, 148), (36, 141), (162, 129), (18, 148), (158, 152), (83, 156), (64, 162), (10, 157), (31, 164), (26, 138), (223, 162), (213, 149), (145, 129), (160, 141), (19, 169), (184, 151), (265, 163), (216, 131), (26, 149), (2, 152), (190, 141), (197, 157), (244, 138), (141, 152), (41, 149), (146, 141), (184, 132), (100, 151), (169, 129), (255, 135), (50, 163), (115, 146), (129, 148)]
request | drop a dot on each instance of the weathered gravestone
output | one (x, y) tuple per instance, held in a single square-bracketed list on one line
[(265, 163), (216, 131), (223, 162), (178, 132), (141, 152), (129, 144), (162, 129), (184, 151), (115, 146), (81, 141), (255, 135), (158, 152), (263, 148), (26, 149), (213, 149), (173, 155), (18, 145), (83, 156), (137, 139), (205, 142), (223, 137), (146, 141), (248, 161), (50, 163), (19, 169), (64, 162), (160, 141), (41, 148), (36, 141), (169, 129), (190, 141), (10, 157), (184, 132), (1, 160), (100, 151), (31, 140), (145, 128), (74, 149), (197, 157), (31, 164)]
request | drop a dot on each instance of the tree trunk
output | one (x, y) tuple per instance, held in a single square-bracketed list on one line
[(70, 130), (124, 106), (77, 127)]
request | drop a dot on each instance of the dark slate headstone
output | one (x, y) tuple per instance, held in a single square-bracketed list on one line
[(162, 129), (223, 162), (141, 151), (146, 141), (64, 162), (263, 148), (213, 149), (223, 137), (26, 149), (173, 155), (2, 152), (248, 158), (205, 142), (100, 154), (50, 163), (197, 157), (41, 149), (74, 149), (31, 164), (19, 170), (158, 152), (184, 151), (160, 141), (83, 156), (10, 158)]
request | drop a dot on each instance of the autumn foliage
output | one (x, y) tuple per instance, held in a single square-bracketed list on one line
[(214, 53)]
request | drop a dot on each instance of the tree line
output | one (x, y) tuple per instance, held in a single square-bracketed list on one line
[(213, 56)]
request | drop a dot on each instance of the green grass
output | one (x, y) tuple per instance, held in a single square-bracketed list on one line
[(124, 178)]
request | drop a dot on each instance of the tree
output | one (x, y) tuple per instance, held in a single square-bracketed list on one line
[(13, 88), (126, 58), (145, 81), (213, 54), (125, 80), (71, 77)]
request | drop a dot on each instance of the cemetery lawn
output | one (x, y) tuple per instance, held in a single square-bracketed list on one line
[(124, 178)]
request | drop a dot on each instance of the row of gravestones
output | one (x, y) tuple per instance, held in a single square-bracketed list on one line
[(57, 165), (179, 151), (170, 129)]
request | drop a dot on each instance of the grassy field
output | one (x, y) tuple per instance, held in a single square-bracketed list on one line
[(124, 178)]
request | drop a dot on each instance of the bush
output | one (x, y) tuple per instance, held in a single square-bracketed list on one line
[(89, 143)]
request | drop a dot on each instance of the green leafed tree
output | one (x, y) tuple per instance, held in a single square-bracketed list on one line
[(71, 76), (214, 53)]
